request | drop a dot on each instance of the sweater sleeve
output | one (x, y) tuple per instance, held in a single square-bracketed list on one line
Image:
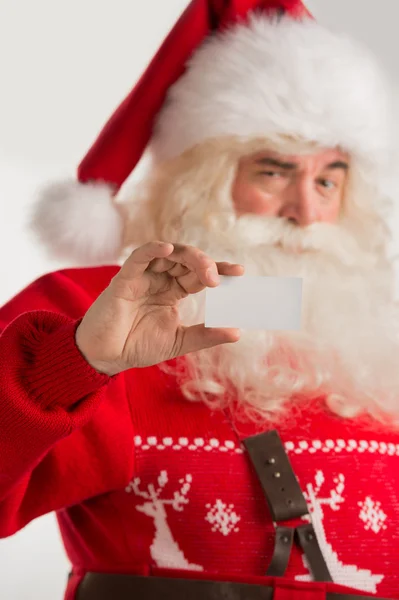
[(65, 429)]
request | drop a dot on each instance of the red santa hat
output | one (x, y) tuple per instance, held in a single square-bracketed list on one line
[(228, 68)]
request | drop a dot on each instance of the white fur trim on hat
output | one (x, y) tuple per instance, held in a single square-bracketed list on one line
[(79, 222), (270, 78)]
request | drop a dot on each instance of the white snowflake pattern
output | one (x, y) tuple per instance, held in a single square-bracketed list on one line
[(372, 515), (222, 517)]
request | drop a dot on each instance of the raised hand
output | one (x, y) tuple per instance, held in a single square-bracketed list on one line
[(135, 321)]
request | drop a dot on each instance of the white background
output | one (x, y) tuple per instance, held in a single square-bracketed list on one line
[(64, 66)]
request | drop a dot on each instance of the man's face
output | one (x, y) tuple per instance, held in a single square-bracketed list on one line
[(304, 189)]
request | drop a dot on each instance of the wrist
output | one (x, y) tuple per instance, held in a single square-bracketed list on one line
[(103, 367)]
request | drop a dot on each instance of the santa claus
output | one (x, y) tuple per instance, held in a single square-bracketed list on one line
[(185, 461)]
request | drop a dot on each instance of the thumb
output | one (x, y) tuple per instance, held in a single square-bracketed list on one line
[(199, 337)]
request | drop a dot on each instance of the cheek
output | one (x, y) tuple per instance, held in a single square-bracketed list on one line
[(249, 199), (332, 212)]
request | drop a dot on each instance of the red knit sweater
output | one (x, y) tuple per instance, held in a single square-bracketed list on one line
[(145, 482)]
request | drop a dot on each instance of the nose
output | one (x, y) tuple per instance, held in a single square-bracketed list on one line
[(299, 205)]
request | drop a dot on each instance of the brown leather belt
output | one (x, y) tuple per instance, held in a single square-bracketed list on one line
[(98, 586)]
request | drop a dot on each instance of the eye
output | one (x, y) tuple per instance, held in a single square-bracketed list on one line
[(328, 184), (273, 174)]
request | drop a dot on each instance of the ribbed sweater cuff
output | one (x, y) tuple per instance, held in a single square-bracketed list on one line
[(59, 375)]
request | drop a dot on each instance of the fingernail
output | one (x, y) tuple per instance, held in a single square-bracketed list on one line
[(213, 275)]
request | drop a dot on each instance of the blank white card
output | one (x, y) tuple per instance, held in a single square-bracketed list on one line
[(249, 302)]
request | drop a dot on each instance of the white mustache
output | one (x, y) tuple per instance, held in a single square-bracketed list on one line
[(332, 240)]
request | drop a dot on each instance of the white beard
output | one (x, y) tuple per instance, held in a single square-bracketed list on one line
[(347, 352)]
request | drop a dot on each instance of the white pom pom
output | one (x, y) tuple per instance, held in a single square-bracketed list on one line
[(78, 222)]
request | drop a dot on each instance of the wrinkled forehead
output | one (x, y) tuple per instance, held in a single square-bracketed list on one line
[(288, 151), (323, 157)]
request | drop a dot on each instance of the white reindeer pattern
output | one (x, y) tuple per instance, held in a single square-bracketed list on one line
[(164, 549), (349, 575)]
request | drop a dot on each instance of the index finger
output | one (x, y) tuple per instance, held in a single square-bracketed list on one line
[(138, 261), (198, 262)]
